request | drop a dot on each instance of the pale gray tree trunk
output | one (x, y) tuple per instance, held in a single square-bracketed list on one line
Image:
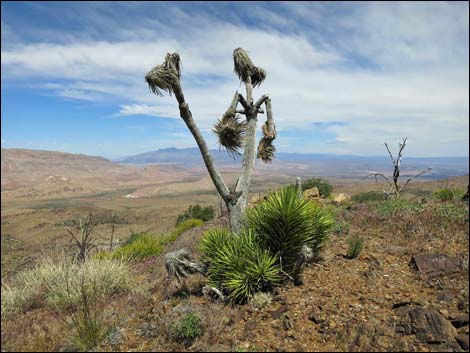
[(166, 77)]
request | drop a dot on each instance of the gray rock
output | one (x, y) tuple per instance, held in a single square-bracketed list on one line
[(426, 324), (434, 265), (460, 321), (463, 341)]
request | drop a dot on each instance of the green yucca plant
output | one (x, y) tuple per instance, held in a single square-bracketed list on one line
[(237, 263), (285, 223), (356, 244)]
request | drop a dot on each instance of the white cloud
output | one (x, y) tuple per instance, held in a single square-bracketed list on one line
[(395, 70)]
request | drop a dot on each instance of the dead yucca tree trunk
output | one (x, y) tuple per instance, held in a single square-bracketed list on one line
[(235, 133), (395, 187)]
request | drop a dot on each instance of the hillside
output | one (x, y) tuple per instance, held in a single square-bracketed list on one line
[(42, 174), (339, 166), (378, 302)]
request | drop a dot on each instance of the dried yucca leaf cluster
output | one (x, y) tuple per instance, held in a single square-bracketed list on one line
[(266, 150), (165, 76), (245, 68), (231, 131)]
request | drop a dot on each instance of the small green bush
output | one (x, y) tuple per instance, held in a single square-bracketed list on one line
[(237, 263), (284, 223), (369, 196), (186, 329), (324, 188), (139, 247), (391, 207), (180, 229), (450, 213), (448, 194), (196, 212), (356, 244), (142, 245), (341, 228)]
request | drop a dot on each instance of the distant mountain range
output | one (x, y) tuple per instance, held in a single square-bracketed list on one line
[(316, 164)]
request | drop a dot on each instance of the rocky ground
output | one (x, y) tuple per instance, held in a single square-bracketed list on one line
[(398, 295), (388, 299)]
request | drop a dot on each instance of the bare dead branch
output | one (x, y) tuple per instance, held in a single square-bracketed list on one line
[(375, 175), (417, 175), (243, 101), (390, 153), (260, 101)]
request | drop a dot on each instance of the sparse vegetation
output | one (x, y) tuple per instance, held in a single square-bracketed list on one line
[(87, 322), (57, 285), (369, 196), (186, 329), (392, 207), (142, 245), (448, 194), (324, 188), (356, 244), (196, 212)]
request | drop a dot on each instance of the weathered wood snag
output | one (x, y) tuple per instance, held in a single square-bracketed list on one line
[(234, 132), (395, 188)]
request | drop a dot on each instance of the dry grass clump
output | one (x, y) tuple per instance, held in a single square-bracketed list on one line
[(56, 285)]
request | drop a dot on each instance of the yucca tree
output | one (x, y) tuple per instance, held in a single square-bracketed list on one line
[(234, 132)]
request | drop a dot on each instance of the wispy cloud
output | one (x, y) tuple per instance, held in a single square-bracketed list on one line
[(381, 70)]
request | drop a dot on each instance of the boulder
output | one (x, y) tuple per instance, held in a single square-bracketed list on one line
[(434, 265), (463, 339), (426, 324), (312, 193), (340, 198)]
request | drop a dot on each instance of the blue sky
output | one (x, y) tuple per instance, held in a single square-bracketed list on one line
[(343, 77)]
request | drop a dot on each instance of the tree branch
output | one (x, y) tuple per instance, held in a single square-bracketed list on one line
[(187, 116), (260, 101), (417, 175), (243, 101), (390, 153), (233, 105), (270, 127), (376, 175)]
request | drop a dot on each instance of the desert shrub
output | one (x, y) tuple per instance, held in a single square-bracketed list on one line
[(139, 247), (186, 329), (180, 229), (341, 228), (323, 187), (142, 245), (369, 196), (448, 194), (237, 263), (392, 207), (196, 212), (57, 285), (98, 219), (356, 244), (450, 212), (285, 223)]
